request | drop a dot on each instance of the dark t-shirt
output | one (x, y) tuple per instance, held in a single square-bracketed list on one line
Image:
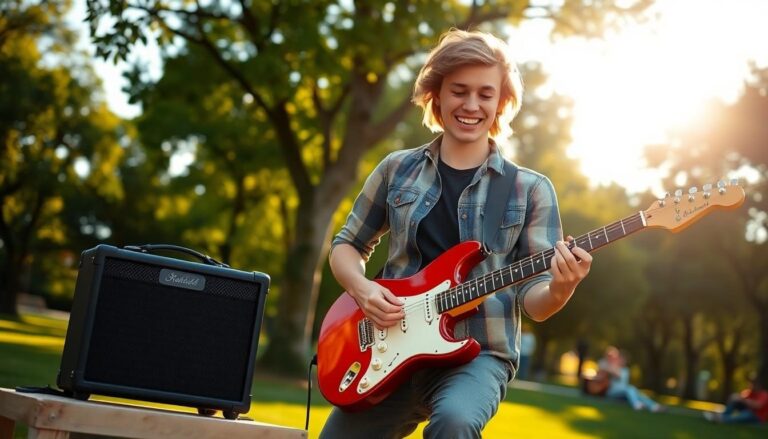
[(439, 230)]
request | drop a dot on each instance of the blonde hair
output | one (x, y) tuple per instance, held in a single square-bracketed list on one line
[(458, 48)]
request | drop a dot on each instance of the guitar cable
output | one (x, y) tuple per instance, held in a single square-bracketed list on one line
[(312, 362)]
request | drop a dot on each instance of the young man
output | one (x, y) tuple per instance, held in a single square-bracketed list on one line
[(748, 406), (430, 199)]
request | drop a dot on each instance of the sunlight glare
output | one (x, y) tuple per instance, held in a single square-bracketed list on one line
[(636, 85)]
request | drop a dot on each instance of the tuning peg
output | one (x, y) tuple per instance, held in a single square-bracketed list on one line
[(721, 187), (692, 194), (663, 201), (707, 188), (734, 182), (678, 194)]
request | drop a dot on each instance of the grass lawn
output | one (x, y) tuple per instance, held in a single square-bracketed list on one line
[(30, 349)]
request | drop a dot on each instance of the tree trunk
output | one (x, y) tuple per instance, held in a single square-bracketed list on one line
[(9, 284), (691, 359), (762, 365), (289, 345), (539, 364), (653, 370), (729, 357)]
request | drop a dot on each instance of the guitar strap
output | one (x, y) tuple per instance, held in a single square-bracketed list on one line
[(499, 191)]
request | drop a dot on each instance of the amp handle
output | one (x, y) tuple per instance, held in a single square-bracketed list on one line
[(149, 248)]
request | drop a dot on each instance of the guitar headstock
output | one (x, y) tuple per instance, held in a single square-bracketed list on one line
[(679, 210)]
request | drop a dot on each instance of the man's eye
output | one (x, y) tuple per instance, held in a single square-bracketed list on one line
[(459, 93)]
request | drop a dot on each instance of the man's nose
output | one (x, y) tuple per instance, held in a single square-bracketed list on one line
[(471, 103)]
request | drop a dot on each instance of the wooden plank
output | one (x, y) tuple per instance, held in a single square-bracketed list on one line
[(6, 427), (48, 412), (36, 433)]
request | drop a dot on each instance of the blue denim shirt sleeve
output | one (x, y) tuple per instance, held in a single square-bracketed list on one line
[(367, 221)]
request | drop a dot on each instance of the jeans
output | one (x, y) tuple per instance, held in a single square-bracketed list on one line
[(636, 398), (737, 412), (458, 402)]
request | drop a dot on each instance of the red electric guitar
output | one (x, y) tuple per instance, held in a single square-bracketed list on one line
[(359, 365)]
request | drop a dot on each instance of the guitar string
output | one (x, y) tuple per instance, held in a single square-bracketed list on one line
[(580, 241)]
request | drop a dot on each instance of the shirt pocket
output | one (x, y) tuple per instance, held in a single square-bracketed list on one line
[(400, 202), (509, 232)]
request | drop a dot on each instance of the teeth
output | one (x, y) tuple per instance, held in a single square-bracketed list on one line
[(468, 120)]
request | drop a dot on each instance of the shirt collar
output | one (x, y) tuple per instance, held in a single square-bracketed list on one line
[(494, 161)]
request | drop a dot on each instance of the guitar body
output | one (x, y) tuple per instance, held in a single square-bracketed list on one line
[(360, 365)]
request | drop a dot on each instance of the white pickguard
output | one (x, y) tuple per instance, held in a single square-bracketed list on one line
[(418, 334)]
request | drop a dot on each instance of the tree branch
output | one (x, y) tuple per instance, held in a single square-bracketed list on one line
[(390, 121), (327, 117), (291, 151)]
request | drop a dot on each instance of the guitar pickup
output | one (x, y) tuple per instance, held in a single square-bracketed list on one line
[(365, 334)]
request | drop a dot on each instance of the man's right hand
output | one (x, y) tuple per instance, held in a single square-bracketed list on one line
[(378, 304)]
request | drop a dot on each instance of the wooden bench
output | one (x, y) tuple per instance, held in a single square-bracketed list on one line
[(49, 416)]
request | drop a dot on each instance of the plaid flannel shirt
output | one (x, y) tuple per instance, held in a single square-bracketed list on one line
[(404, 187)]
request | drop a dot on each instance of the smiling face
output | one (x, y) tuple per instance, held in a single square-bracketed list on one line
[(469, 101)]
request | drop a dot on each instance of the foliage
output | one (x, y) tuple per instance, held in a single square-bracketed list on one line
[(57, 141)]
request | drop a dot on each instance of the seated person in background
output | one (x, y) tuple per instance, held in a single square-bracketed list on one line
[(613, 367), (751, 405)]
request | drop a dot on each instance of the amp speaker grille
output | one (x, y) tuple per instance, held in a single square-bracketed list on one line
[(153, 336)]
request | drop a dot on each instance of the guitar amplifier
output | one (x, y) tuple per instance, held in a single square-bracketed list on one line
[(154, 328)]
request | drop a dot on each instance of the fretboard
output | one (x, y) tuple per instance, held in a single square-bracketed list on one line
[(532, 265)]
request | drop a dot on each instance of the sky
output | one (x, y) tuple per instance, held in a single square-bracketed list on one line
[(629, 89)]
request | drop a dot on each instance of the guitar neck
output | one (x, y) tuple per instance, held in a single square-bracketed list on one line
[(532, 265)]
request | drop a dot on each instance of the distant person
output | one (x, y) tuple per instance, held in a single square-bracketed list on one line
[(582, 350), (748, 406), (527, 347), (613, 368)]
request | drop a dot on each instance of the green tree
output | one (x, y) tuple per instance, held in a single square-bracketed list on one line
[(54, 137), (319, 71)]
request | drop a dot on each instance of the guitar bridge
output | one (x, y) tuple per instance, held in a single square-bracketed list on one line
[(365, 334)]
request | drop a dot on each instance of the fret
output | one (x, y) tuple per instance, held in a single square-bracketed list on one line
[(591, 247), (497, 275), (615, 233), (526, 263), (622, 227), (598, 239), (606, 235)]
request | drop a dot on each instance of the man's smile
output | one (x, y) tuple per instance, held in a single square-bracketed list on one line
[(469, 120)]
